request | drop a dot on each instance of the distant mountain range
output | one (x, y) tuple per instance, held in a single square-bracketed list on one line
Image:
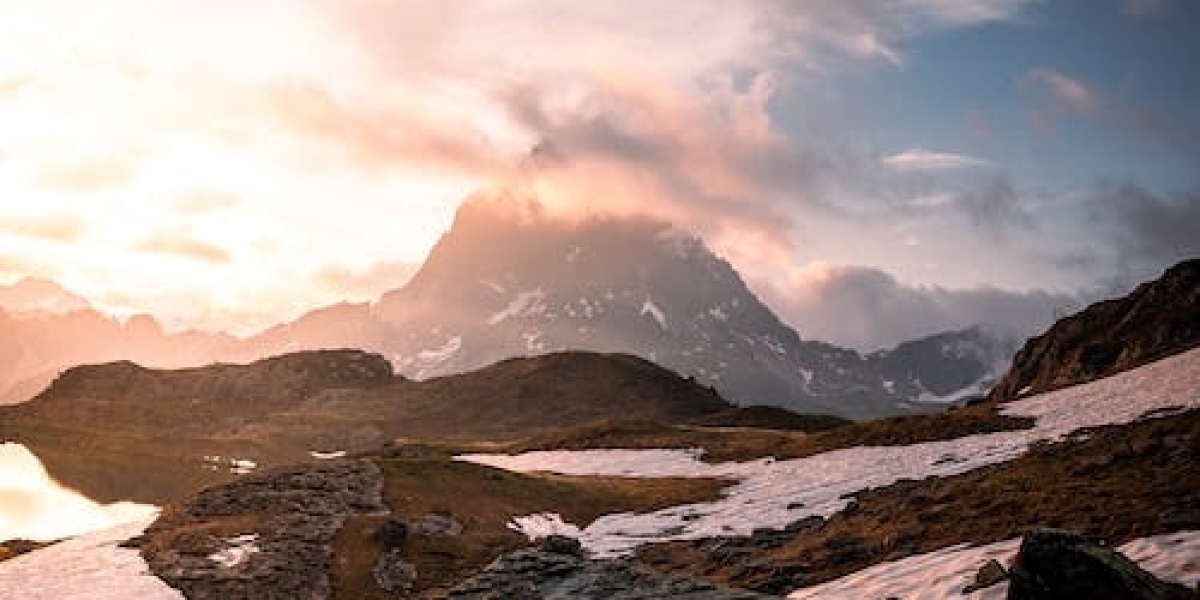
[(507, 280)]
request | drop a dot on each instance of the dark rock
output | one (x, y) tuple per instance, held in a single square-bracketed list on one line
[(845, 549), (393, 573), (532, 574), (391, 533), (438, 524), (1054, 564), (991, 573), (561, 544), (295, 514)]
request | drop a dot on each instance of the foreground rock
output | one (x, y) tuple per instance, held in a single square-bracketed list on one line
[(263, 537), (1054, 564), (534, 574)]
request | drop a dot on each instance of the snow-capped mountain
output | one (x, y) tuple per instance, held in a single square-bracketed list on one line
[(507, 280)]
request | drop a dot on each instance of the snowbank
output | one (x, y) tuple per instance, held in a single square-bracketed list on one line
[(774, 493), (88, 567)]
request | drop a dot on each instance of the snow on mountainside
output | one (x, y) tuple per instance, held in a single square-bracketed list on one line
[(508, 281)]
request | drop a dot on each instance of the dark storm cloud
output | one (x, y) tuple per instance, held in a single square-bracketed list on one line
[(867, 308), (1149, 231)]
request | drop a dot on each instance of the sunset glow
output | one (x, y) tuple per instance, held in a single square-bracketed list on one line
[(230, 165)]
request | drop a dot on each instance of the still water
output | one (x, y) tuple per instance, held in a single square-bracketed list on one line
[(36, 507)]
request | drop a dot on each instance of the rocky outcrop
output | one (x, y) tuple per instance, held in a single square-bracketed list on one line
[(533, 574), (264, 537), (1158, 319), (1054, 564)]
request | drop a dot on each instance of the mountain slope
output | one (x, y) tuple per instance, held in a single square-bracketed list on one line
[(153, 434), (507, 280), (1159, 318)]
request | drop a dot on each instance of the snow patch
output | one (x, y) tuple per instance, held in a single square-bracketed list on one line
[(533, 340), (652, 309), (823, 482), (237, 551), (525, 304), (492, 285), (237, 466), (319, 455), (443, 353), (88, 567), (542, 525)]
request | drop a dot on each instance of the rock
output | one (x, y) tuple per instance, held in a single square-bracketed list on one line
[(393, 573), (294, 514), (532, 574), (391, 533), (991, 573), (1054, 564), (439, 524), (561, 544)]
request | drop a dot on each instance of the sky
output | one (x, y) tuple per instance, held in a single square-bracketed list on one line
[(876, 170)]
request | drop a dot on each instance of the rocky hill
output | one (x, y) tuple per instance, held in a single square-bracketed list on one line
[(153, 434), (1157, 319)]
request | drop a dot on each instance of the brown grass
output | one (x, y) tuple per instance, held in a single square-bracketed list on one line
[(725, 444), (483, 500)]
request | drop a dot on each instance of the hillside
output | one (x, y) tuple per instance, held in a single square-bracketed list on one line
[(1159, 318), (153, 434)]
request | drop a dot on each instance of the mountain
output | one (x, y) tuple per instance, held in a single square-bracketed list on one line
[(30, 295), (151, 434), (507, 280), (1157, 319), (36, 346)]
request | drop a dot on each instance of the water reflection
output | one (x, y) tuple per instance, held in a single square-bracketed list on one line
[(34, 506)]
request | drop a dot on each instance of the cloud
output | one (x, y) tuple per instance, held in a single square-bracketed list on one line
[(867, 308), (389, 136), (87, 173), (1149, 231), (365, 284), (185, 247), (51, 228), (202, 201), (1062, 92), (1142, 8), (920, 159)]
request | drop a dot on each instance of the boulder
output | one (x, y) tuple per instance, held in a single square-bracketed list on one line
[(991, 573), (1057, 565)]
